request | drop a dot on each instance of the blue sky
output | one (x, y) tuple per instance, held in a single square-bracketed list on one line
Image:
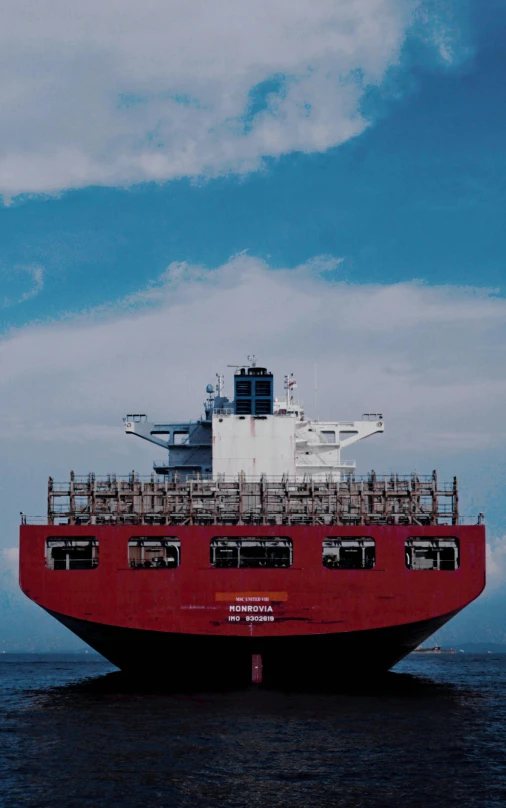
[(341, 171)]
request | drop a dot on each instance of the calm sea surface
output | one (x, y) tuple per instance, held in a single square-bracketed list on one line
[(75, 733)]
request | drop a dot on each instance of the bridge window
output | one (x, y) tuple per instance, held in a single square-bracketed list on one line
[(263, 406), (432, 554), (243, 387), (349, 553), (251, 552), (262, 387), (147, 553), (72, 554), (243, 406)]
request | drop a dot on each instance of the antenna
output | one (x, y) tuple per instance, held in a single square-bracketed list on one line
[(315, 391), (290, 384), (219, 384), (251, 358)]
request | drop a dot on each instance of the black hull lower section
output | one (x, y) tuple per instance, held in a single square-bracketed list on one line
[(203, 659)]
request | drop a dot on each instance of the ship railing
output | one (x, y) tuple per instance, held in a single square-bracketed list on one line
[(33, 520), (162, 519), (109, 479)]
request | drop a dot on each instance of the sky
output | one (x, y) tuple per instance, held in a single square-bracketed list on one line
[(186, 183)]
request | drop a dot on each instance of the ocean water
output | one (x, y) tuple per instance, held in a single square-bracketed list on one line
[(74, 732)]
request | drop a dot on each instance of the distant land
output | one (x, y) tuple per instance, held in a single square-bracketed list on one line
[(472, 647)]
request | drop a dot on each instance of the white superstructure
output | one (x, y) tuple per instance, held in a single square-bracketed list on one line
[(256, 435), (254, 445)]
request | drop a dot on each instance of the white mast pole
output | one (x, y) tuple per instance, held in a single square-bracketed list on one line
[(315, 391)]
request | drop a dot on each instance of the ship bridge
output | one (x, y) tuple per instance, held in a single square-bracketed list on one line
[(255, 434)]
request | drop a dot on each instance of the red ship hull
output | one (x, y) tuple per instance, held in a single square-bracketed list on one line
[(197, 621)]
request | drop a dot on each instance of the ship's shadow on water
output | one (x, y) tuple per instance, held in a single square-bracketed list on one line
[(391, 684)]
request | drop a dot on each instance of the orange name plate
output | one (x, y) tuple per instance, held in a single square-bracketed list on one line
[(251, 597)]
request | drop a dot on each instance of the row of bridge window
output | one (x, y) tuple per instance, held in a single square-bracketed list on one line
[(343, 553)]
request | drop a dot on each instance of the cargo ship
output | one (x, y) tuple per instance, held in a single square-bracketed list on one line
[(253, 551)]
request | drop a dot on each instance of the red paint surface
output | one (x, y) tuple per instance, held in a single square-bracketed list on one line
[(192, 598), (256, 669)]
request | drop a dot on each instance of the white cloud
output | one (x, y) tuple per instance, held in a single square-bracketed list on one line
[(14, 282), (425, 356), (9, 576), (10, 560), (496, 564), (115, 92)]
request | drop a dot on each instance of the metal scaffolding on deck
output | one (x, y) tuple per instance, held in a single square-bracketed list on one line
[(369, 500)]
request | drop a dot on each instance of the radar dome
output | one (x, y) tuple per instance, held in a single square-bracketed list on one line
[(209, 388)]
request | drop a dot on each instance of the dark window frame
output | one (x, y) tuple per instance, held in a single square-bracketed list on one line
[(232, 558), (244, 387), (434, 545), (155, 562), (336, 561), (263, 387), (64, 561)]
